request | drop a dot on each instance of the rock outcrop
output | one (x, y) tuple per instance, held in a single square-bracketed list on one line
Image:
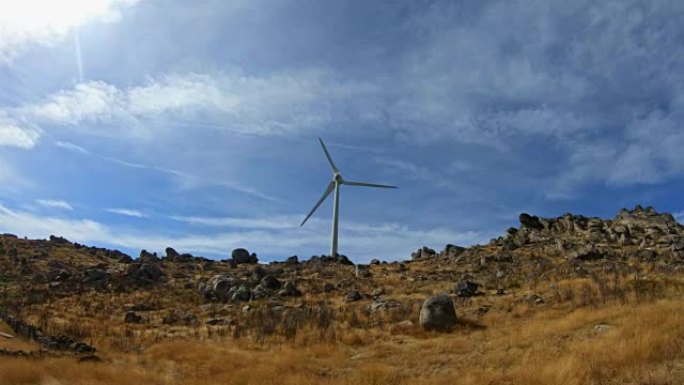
[(584, 238)]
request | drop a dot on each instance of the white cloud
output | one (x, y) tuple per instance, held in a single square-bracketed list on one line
[(87, 101), (28, 23), (360, 241), (127, 212), (13, 135), (56, 204), (31, 225), (274, 104)]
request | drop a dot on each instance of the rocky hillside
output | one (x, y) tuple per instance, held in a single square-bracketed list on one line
[(68, 291)]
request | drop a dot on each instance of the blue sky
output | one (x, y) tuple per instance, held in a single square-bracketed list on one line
[(145, 124)]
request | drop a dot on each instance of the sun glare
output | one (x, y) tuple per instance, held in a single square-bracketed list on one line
[(49, 16)]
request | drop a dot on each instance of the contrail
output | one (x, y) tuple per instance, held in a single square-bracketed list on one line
[(79, 60)]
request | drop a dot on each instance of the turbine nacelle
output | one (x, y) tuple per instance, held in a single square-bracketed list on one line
[(334, 185)]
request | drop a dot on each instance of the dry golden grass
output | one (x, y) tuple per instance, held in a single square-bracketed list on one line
[(548, 345), (501, 339)]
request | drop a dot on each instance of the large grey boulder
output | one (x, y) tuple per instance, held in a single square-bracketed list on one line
[(423, 253), (220, 286), (145, 274), (242, 294), (242, 256), (438, 313)]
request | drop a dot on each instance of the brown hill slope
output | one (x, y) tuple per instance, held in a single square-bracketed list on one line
[(533, 306)]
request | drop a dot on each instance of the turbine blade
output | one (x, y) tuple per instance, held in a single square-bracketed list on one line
[(327, 192), (362, 184), (327, 155)]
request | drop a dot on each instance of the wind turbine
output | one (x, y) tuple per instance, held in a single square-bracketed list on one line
[(337, 181)]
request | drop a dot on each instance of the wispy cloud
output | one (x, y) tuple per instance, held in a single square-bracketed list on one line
[(72, 147), (127, 212), (418, 173), (55, 204), (277, 222), (185, 180), (274, 104)]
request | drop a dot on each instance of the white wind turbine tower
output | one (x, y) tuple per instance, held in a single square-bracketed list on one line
[(335, 185)]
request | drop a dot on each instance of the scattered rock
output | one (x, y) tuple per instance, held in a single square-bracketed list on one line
[(353, 296), (602, 328), (242, 256), (452, 251), (133, 318), (466, 288), (143, 274), (438, 313), (290, 290), (529, 221), (242, 294), (270, 282), (423, 253), (258, 273)]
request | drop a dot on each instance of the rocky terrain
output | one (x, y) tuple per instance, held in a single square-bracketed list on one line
[(65, 299)]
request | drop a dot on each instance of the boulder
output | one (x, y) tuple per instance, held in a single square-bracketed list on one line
[(242, 294), (143, 274), (423, 253), (530, 222), (290, 290), (133, 318), (466, 288), (452, 251), (438, 313), (588, 254), (58, 275), (171, 254), (148, 257), (260, 292), (220, 286), (94, 275), (258, 273), (242, 256), (353, 296), (270, 282)]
